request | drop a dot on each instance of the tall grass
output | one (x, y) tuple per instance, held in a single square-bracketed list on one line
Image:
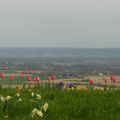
[(66, 105)]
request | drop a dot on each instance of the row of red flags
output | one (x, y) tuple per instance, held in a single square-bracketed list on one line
[(113, 78), (37, 78), (53, 77)]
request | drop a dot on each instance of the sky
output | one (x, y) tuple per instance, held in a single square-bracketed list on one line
[(60, 23)]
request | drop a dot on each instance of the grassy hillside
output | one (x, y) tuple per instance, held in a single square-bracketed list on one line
[(63, 104)]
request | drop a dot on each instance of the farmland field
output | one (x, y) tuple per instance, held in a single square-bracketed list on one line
[(63, 104), (34, 96)]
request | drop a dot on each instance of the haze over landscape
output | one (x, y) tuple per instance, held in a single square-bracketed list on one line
[(59, 59), (60, 52), (60, 23)]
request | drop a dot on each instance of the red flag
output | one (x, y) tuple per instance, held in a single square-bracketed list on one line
[(22, 75), (29, 78), (12, 77), (53, 77), (91, 82), (48, 78), (2, 75), (37, 78), (113, 78)]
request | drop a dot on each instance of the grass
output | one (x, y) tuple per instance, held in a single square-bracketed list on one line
[(66, 105)]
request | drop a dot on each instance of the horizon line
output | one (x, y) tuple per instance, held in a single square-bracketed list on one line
[(63, 47)]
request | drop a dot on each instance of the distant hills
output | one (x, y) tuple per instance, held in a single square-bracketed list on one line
[(60, 52)]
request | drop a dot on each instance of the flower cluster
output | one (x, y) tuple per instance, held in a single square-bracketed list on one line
[(7, 98), (38, 96), (39, 113), (19, 99), (36, 112)]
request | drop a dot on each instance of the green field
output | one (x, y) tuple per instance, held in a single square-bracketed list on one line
[(63, 104)]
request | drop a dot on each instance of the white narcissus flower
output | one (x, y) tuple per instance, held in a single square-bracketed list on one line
[(2, 99), (18, 94), (38, 97), (39, 113), (6, 116), (34, 112), (8, 98), (32, 94), (72, 88), (45, 106), (20, 100)]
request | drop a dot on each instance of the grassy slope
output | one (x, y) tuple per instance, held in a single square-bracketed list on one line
[(68, 105)]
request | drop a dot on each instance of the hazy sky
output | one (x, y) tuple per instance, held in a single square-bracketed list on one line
[(60, 23)]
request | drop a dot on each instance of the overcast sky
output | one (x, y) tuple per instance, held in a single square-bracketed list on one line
[(60, 23)]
